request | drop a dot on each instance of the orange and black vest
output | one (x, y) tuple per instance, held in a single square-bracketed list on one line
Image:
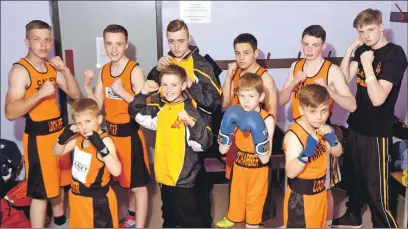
[(246, 156), (235, 79), (322, 73), (48, 107), (116, 109), (89, 173), (317, 165)]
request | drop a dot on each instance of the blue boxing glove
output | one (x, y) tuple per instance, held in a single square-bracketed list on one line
[(311, 145), (331, 138), (253, 122), (229, 124)]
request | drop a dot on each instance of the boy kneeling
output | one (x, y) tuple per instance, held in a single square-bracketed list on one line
[(307, 144)]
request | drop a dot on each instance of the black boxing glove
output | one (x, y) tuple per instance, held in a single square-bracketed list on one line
[(96, 140), (66, 135)]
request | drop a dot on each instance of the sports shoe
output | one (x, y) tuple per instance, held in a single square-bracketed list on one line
[(128, 222), (53, 225), (348, 220), (225, 223)]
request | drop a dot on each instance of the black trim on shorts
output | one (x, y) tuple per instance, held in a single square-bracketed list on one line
[(35, 182), (296, 211), (139, 174), (102, 216)]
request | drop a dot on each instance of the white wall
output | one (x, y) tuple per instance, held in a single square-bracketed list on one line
[(399, 36), (14, 16)]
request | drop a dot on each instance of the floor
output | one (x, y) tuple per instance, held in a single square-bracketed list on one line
[(219, 198)]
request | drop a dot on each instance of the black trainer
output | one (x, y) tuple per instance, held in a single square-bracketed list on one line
[(348, 220)]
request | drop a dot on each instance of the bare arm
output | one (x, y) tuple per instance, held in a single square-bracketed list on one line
[(60, 150), (271, 95), (96, 95), (270, 125), (227, 92), (285, 95), (350, 69), (111, 160), (293, 149), (336, 151), (16, 105), (378, 90), (67, 82), (341, 93), (138, 80)]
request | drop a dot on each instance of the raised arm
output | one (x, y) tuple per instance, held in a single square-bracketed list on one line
[(65, 80), (291, 83), (350, 69), (96, 95), (18, 80), (271, 95)]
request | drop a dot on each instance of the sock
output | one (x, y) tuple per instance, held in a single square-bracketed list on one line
[(131, 213), (60, 220), (329, 223)]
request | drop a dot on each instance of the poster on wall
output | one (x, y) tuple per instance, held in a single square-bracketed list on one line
[(101, 56), (195, 11)]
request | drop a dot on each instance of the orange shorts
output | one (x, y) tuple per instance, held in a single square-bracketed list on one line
[(308, 211), (132, 153), (45, 173), (249, 188), (93, 212)]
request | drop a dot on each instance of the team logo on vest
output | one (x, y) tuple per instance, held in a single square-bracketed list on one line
[(177, 124), (320, 150), (80, 167), (110, 94), (298, 88), (41, 82)]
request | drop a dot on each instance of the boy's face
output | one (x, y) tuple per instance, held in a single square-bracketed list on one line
[(172, 87), (245, 55), (371, 34), (316, 116), (115, 45), (39, 42), (250, 99), (312, 47), (178, 42), (87, 122)]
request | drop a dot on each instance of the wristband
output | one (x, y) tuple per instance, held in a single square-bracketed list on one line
[(370, 78)]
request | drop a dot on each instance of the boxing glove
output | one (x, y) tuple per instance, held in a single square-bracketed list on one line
[(66, 135), (331, 138), (253, 122), (311, 145), (96, 140), (229, 124)]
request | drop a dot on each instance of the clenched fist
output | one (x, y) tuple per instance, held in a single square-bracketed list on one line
[(58, 64)]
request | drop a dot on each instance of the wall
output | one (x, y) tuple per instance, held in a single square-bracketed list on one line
[(399, 36), (14, 16)]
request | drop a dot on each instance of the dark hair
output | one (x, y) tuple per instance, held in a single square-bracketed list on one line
[(246, 38), (114, 28), (174, 69), (36, 24), (315, 31)]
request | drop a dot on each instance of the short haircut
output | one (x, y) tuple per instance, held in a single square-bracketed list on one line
[(250, 81), (177, 25), (174, 69), (36, 24), (367, 17), (246, 38), (114, 28), (315, 31), (313, 95), (83, 105)]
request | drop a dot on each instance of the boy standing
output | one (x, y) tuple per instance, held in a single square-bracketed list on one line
[(92, 202), (251, 127), (118, 82), (307, 144), (180, 133)]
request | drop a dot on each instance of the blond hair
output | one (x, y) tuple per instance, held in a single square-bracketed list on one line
[(250, 81), (367, 17)]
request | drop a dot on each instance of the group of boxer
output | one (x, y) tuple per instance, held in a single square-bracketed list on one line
[(181, 100)]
